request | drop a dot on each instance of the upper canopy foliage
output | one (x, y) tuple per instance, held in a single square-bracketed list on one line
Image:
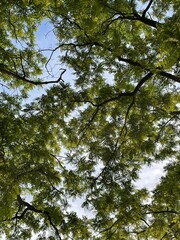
[(119, 113)]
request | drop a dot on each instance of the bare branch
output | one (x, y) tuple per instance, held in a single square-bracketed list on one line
[(4, 69), (142, 219), (3, 85), (147, 8)]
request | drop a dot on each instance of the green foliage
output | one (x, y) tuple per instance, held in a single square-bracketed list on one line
[(87, 140)]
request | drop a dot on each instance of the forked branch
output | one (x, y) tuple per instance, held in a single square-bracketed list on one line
[(4, 70), (29, 207)]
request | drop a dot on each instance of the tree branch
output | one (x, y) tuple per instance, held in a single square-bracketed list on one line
[(163, 211), (142, 81), (147, 8), (175, 112), (32, 208), (162, 73), (98, 105), (147, 21), (20, 216), (137, 64), (83, 131), (109, 228), (3, 85), (170, 226), (163, 126), (130, 94), (142, 219), (134, 16), (112, 157), (52, 224), (5, 70), (170, 76), (29, 206)]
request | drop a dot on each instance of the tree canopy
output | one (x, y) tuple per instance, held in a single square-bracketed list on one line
[(89, 136)]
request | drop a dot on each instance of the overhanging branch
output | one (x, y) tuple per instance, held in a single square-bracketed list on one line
[(30, 207), (134, 16), (130, 94), (170, 76), (161, 73), (4, 70), (137, 64)]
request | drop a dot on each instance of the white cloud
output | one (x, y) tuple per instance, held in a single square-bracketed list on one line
[(150, 176)]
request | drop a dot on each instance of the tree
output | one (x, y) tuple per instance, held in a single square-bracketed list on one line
[(120, 113)]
